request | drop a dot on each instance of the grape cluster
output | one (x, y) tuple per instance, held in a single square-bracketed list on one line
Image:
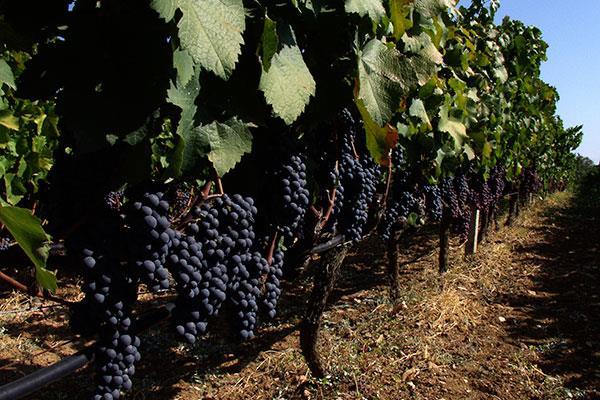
[(181, 200), (214, 261), (482, 197), (290, 181), (273, 284), (403, 197), (198, 289), (5, 243), (456, 197), (110, 290), (114, 200), (530, 183), (497, 183), (115, 359), (358, 178), (246, 292), (400, 205), (450, 198), (150, 238), (433, 201)]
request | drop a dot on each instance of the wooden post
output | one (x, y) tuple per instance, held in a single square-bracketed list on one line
[(485, 224), (471, 246), (325, 279)]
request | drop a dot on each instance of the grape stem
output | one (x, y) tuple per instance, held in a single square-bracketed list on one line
[(330, 207), (21, 287), (202, 196), (354, 149), (388, 183), (331, 200), (272, 249), (219, 184), (315, 212), (206, 189)]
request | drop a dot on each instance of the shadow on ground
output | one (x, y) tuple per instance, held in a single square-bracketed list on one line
[(561, 313)]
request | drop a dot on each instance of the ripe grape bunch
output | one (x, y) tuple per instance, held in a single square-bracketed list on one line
[(497, 183), (150, 238), (482, 196), (273, 284), (455, 196), (291, 188), (402, 197), (214, 262), (110, 290), (246, 293), (358, 178), (116, 357), (433, 201)]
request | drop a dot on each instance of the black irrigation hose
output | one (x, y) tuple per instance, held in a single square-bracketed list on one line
[(36, 380), (339, 239)]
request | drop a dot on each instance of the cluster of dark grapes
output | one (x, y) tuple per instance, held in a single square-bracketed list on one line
[(481, 194), (530, 183), (246, 292), (456, 194), (115, 359), (217, 261), (5, 243), (180, 200), (497, 184), (273, 284), (450, 200), (195, 300), (433, 202), (150, 238), (114, 200), (358, 181), (403, 201), (110, 288), (290, 181), (403, 197)]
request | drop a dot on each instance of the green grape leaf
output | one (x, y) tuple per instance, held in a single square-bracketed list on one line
[(452, 126), (501, 73), (400, 17), (386, 77), (184, 64), (417, 109), (209, 30), (269, 42), (6, 75), (227, 142), (382, 80), (8, 120), (373, 8), (379, 140), (165, 8), (288, 84), (13, 193), (431, 8), (31, 237), (424, 46), (184, 97)]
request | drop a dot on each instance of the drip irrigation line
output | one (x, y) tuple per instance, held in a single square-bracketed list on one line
[(337, 240)]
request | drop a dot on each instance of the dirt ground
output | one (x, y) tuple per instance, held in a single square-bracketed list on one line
[(518, 320)]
